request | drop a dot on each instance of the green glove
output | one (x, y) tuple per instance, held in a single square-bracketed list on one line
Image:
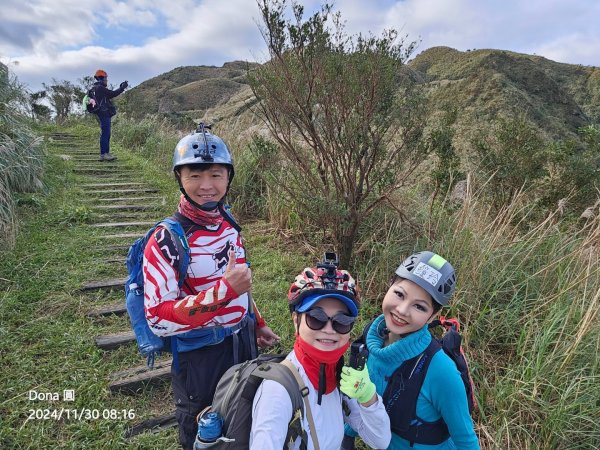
[(357, 384)]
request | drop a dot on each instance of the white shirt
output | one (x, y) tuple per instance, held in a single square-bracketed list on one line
[(272, 411)]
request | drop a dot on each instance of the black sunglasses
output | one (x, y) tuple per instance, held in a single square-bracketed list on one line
[(316, 319)]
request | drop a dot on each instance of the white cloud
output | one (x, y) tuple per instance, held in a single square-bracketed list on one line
[(577, 48), (211, 32), (45, 26), (128, 13), (55, 39)]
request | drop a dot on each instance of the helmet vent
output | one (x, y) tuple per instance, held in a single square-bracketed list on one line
[(410, 265), (446, 288)]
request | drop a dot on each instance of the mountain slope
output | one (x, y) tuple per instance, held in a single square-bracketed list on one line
[(480, 84), (186, 90)]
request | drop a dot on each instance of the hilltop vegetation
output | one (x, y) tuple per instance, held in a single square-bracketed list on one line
[(187, 90), (481, 84)]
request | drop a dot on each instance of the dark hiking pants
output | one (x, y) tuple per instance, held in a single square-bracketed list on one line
[(194, 386)]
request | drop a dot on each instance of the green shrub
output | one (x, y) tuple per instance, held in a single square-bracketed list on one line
[(153, 138), (21, 152)]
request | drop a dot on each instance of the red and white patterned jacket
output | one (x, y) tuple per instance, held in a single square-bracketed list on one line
[(205, 299)]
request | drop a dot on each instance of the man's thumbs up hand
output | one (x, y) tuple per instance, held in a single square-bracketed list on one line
[(238, 276)]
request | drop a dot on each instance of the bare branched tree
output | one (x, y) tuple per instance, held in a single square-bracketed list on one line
[(39, 111), (344, 112)]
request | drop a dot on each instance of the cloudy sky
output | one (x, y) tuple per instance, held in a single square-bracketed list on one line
[(139, 39)]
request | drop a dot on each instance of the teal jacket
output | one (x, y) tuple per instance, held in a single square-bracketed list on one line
[(443, 392)]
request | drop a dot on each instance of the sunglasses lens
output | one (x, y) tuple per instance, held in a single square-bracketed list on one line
[(342, 323), (316, 319)]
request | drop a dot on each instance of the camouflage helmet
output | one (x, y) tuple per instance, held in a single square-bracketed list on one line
[(316, 283)]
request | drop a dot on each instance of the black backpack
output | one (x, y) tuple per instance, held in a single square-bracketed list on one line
[(235, 394), (90, 103), (402, 391)]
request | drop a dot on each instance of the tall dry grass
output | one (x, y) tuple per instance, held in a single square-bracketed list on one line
[(528, 301), (21, 154)]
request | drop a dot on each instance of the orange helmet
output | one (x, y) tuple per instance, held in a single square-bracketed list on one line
[(100, 74)]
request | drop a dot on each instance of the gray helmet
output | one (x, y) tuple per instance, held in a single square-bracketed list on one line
[(431, 272), (202, 147)]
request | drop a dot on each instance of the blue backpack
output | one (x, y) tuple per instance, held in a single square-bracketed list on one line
[(150, 344)]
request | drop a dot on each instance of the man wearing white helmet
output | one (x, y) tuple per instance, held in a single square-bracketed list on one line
[(212, 316)]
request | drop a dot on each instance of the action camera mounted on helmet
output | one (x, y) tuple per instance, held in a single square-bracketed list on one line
[(329, 264), (205, 154), (324, 280)]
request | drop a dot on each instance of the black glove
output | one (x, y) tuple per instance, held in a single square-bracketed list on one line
[(124, 85)]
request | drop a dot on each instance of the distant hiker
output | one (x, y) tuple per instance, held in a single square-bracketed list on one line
[(421, 386), (212, 317), (104, 109), (324, 303)]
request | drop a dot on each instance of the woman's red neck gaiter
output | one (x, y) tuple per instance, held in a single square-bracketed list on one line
[(312, 358)]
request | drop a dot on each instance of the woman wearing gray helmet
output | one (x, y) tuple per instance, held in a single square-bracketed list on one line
[(211, 315), (427, 404)]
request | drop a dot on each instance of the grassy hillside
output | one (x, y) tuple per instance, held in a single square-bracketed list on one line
[(190, 89), (481, 84)]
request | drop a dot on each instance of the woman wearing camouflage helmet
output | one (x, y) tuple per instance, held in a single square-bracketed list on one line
[(324, 303), (422, 285)]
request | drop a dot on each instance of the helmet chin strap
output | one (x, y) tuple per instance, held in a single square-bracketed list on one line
[(208, 206)]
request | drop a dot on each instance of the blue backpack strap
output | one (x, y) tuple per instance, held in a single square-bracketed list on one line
[(183, 250), (224, 209), (183, 247)]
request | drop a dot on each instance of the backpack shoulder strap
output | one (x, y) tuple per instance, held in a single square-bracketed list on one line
[(228, 217), (183, 248), (451, 342), (363, 336), (313, 429), (273, 369), (401, 394)]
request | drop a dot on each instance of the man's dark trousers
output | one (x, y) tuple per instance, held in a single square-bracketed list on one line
[(194, 386)]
